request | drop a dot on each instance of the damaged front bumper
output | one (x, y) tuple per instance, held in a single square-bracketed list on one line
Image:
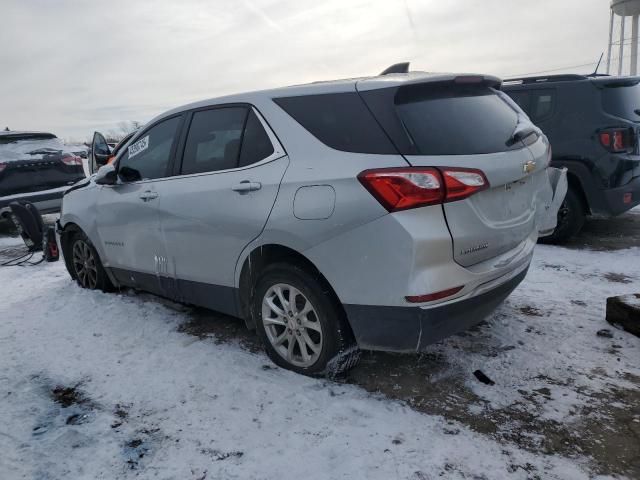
[(552, 201)]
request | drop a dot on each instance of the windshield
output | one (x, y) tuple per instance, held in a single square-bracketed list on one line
[(456, 120), (622, 101)]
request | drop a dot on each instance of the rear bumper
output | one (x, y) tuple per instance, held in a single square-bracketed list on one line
[(47, 201), (615, 197), (411, 329)]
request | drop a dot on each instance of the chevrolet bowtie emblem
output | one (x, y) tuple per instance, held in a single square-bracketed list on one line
[(529, 167)]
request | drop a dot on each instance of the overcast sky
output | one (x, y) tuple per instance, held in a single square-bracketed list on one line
[(71, 67)]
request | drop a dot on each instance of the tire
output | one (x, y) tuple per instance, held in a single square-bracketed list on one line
[(85, 266), (571, 217), (316, 324)]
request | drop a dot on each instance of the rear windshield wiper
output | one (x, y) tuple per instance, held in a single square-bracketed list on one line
[(524, 129)]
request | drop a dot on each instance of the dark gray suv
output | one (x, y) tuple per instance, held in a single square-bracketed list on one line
[(593, 125)]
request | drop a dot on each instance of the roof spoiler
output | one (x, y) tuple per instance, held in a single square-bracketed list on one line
[(613, 82), (402, 67)]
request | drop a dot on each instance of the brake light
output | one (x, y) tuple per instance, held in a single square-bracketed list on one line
[(72, 160), (405, 188), (616, 140)]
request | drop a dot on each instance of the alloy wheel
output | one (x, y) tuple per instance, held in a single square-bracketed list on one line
[(84, 263), (291, 324)]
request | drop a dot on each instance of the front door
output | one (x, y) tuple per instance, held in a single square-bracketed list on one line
[(127, 212), (227, 184), (99, 153)]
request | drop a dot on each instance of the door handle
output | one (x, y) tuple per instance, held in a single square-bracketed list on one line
[(148, 195), (246, 186)]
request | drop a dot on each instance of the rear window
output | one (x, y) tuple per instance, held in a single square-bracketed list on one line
[(622, 101), (339, 120), (455, 120)]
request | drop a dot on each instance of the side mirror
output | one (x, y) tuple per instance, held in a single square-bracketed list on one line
[(106, 175), (100, 152), (102, 159)]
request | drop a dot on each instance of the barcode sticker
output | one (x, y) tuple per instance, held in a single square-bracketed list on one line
[(140, 146)]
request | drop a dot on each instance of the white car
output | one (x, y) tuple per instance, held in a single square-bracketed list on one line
[(377, 213)]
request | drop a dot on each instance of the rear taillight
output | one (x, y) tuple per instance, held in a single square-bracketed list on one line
[(616, 139), (2, 166), (405, 188), (72, 160), (463, 182)]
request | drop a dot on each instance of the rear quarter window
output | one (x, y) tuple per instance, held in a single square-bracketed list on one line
[(455, 120), (622, 101), (340, 121)]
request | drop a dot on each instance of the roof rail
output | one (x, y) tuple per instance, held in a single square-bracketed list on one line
[(566, 77), (397, 68)]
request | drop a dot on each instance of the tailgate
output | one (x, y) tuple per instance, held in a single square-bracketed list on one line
[(25, 176), (497, 219)]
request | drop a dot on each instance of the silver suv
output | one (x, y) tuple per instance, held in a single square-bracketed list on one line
[(380, 213)]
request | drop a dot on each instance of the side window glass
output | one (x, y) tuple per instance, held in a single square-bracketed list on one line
[(542, 106), (256, 145), (148, 157), (213, 141)]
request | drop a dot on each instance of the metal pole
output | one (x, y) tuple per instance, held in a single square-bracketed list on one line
[(610, 43), (634, 45), (621, 51)]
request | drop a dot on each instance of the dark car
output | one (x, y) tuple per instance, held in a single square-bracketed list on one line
[(593, 124), (36, 167)]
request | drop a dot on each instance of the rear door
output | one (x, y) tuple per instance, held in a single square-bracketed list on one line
[(470, 126), (127, 212), (220, 200)]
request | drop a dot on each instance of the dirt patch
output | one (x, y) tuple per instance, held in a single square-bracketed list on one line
[(218, 455), (617, 277), (530, 311), (220, 328), (608, 430), (68, 396), (606, 234)]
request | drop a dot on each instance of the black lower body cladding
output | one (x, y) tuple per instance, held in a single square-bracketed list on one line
[(411, 329)]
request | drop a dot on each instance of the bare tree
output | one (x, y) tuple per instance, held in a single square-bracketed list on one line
[(126, 127)]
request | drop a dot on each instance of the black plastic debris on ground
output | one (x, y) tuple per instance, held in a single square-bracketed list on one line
[(605, 333), (483, 378)]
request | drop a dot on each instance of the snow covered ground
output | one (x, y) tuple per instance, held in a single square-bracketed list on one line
[(106, 386)]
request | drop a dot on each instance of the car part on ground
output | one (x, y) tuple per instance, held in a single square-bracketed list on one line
[(386, 220), (592, 124), (36, 236), (571, 218)]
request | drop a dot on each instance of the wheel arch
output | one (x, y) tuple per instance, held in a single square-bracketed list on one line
[(576, 185), (261, 257), (66, 235), (65, 245)]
